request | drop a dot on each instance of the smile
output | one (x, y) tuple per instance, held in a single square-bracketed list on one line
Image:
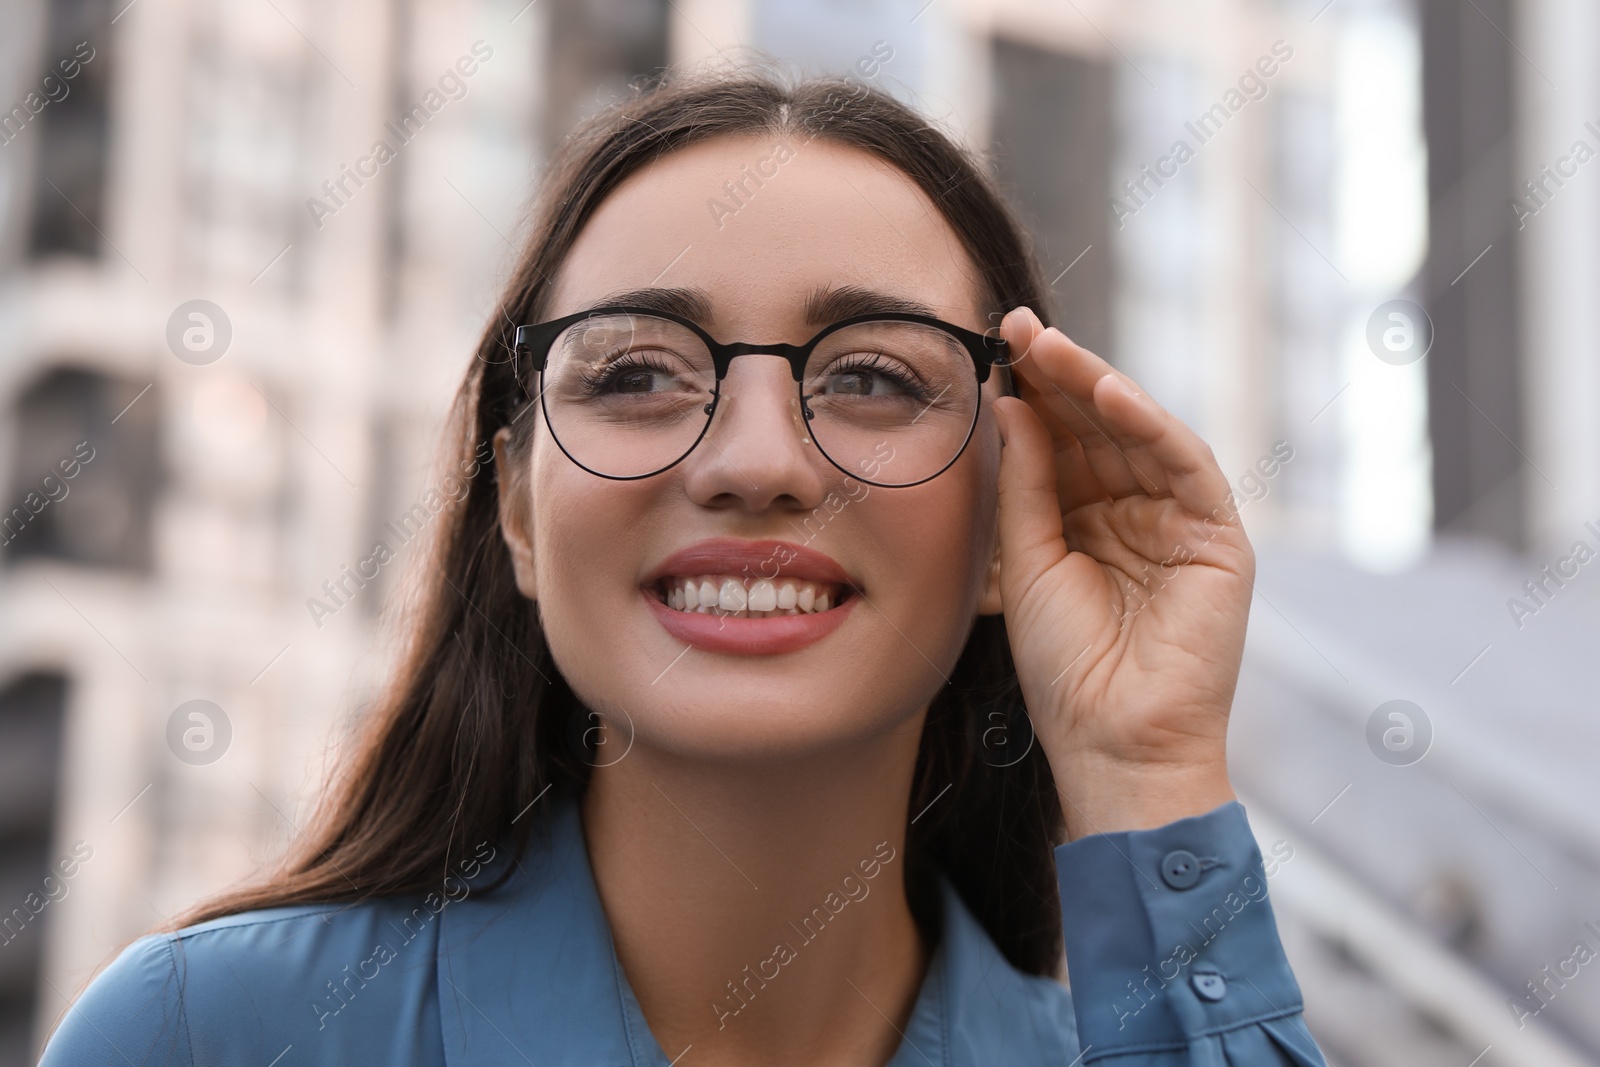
[(749, 598), (730, 596)]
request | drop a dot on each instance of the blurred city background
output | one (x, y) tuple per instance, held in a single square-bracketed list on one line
[(1369, 277)]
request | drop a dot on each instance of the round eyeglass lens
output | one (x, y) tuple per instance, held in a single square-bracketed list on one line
[(892, 403), (627, 395)]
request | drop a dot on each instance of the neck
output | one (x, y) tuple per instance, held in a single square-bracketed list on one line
[(749, 904)]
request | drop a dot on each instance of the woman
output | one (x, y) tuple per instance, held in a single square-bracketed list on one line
[(713, 745)]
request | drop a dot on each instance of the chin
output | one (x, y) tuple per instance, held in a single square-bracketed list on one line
[(739, 724)]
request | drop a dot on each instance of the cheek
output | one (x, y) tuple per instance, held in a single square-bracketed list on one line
[(586, 550), (933, 543)]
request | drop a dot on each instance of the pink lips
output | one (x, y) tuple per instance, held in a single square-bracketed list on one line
[(751, 560)]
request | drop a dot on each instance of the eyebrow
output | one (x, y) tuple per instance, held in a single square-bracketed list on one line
[(824, 305), (830, 304), (691, 304)]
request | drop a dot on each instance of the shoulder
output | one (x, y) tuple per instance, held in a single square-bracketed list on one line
[(129, 1012), (332, 978)]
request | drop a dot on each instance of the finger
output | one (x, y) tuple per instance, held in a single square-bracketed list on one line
[(1031, 541), (1026, 335), (1057, 378), (1076, 483), (1186, 463), (1159, 448), (1064, 374), (1030, 512), (1101, 467)]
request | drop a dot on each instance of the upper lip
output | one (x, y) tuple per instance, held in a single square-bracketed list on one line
[(756, 559)]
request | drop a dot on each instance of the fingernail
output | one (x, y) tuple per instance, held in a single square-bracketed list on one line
[(1118, 383)]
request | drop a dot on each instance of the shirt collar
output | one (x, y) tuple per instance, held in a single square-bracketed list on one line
[(528, 974)]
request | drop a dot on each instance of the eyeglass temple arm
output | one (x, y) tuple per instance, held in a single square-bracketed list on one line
[(528, 344), (522, 343)]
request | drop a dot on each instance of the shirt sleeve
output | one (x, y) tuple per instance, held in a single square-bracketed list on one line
[(131, 1013), (1173, 951)]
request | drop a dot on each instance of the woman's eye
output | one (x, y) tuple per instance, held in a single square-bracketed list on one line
[(632, 372), (870, 376), (634, 381), (861, 383)]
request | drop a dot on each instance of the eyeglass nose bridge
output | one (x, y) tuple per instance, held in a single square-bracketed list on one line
[(722, 356)]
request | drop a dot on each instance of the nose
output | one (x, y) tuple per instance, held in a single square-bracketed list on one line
[(757, 452)]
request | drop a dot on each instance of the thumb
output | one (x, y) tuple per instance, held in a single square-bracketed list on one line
[(1031, 540)]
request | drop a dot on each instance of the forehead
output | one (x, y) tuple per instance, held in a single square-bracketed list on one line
[(760, 223)]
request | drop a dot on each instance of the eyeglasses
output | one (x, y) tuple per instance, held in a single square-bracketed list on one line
[(890, 399)]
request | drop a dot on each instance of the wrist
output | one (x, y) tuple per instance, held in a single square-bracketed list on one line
[(1102, 795)]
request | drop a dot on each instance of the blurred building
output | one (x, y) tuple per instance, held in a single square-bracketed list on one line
[(237, 325), (230, 459)]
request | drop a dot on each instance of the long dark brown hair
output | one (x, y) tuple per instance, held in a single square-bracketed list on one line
[(479, 721)]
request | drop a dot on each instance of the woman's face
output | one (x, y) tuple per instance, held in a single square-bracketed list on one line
[(834, 226)]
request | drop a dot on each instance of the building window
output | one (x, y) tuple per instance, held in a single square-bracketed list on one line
[(602, 48), (73, 131), (85, 470), (31, 713), (1052, 128)]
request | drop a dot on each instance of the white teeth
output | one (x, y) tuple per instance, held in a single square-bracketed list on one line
[(763, 598)]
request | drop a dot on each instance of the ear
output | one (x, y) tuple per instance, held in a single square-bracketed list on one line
[(989, 603), (515, 513)]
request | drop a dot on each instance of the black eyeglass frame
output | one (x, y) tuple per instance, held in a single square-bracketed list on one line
[(987, 350)]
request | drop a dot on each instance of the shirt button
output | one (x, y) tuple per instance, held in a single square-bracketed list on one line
[(1209, 984), (1180, 868)]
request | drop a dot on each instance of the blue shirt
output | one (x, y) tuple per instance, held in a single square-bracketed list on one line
[(1172, 950)]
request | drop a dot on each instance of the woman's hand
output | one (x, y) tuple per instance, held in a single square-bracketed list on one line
[(1125, 577)]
